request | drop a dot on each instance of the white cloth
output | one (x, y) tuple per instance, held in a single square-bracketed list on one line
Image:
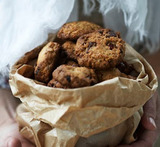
[(25, 24), (137, 20)]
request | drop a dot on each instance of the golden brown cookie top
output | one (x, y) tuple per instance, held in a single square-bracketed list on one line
[(74, 30), (101, 49), (46, 62), (74, 77)]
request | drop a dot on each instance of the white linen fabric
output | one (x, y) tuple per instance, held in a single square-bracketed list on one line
[(26, 24)]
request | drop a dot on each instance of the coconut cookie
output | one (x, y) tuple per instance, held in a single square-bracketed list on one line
[(74, 77), (101, 49), (74, 30), (46, 62)]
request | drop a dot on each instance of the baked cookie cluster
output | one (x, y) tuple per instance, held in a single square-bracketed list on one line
[(83, 54)]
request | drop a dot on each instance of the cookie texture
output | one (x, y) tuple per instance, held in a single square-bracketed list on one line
[(101, 49), (74, 30), (128, 69), (46, 62), (55, 84), (110, 74), (72, 63), (74, 77), (69, 49)]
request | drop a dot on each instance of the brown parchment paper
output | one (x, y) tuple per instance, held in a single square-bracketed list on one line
[(83, 112), (41, 134)]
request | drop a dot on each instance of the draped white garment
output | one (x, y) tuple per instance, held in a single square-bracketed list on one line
[(24, 24)]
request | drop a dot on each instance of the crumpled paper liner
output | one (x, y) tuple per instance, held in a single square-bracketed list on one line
[(85, 111), (43, 135)]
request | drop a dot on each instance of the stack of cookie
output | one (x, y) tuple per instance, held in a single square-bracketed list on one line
[(83, 54)]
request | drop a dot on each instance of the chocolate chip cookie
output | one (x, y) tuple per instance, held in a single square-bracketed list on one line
[(101, 49), (69, 48), (112, 73), (74, 30), (109, 74), (46, 62), (74, 77), (124, 67), (55, 84)]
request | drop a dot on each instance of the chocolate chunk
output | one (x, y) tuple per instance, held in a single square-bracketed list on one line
[(91, 44), (68, 78), (100, 31), (111, 45)]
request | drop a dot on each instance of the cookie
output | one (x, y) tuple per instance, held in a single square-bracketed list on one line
[(74, 77), (124, 67), (46, 62), (101, 49), (72, 63), (74, 30), (111, 73), (55, 84), (69, 48), (27, 71)]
